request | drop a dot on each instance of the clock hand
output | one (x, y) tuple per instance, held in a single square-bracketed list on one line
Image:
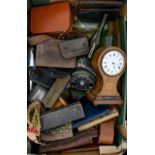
[(114, 67)]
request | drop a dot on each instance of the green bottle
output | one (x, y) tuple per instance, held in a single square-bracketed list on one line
[(95, 41), (108, 40)]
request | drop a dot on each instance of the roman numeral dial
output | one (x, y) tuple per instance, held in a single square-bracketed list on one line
[(113, 63)]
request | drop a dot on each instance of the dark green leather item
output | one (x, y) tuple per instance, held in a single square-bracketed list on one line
[(123, 81), (119, 138), (29, 5), (76, 95), (39, 2)]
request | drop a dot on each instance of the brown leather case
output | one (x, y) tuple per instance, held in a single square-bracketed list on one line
[(80, 139), (107, 132), (48, 54), (90, 147), (53, 18)]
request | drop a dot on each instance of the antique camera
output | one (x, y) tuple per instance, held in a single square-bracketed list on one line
[(84, 77)]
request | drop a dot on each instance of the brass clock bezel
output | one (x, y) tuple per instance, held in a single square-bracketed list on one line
[(105, 51)]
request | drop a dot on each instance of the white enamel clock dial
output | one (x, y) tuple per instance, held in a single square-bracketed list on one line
[(113, 63)]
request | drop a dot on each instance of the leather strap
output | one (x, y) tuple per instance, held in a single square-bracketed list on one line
[(38, 39), (85, 148), (111, 115), (72, 35), (107, 132)]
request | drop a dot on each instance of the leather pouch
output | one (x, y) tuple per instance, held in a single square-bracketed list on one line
[(55, 118), (37, 93), (48, 54), (46, 76), (75, 47), (107, 132), (58, 133), (80, 139), (53, 18)]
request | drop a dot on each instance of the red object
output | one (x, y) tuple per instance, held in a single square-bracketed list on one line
[(53, 18)]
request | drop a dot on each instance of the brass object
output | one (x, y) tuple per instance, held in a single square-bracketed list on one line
[(60, 102)]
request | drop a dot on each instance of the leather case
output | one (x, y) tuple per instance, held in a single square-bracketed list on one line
[(54, 118), (55, 91), (53, 18), (93, 10), (80, 139), (37, 93), (85, 148), (48, 54), (75, 47), (91, 113), (96, 4), (44, 2), (46, 76), (58, 133), (107, 132), (95, 15)]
